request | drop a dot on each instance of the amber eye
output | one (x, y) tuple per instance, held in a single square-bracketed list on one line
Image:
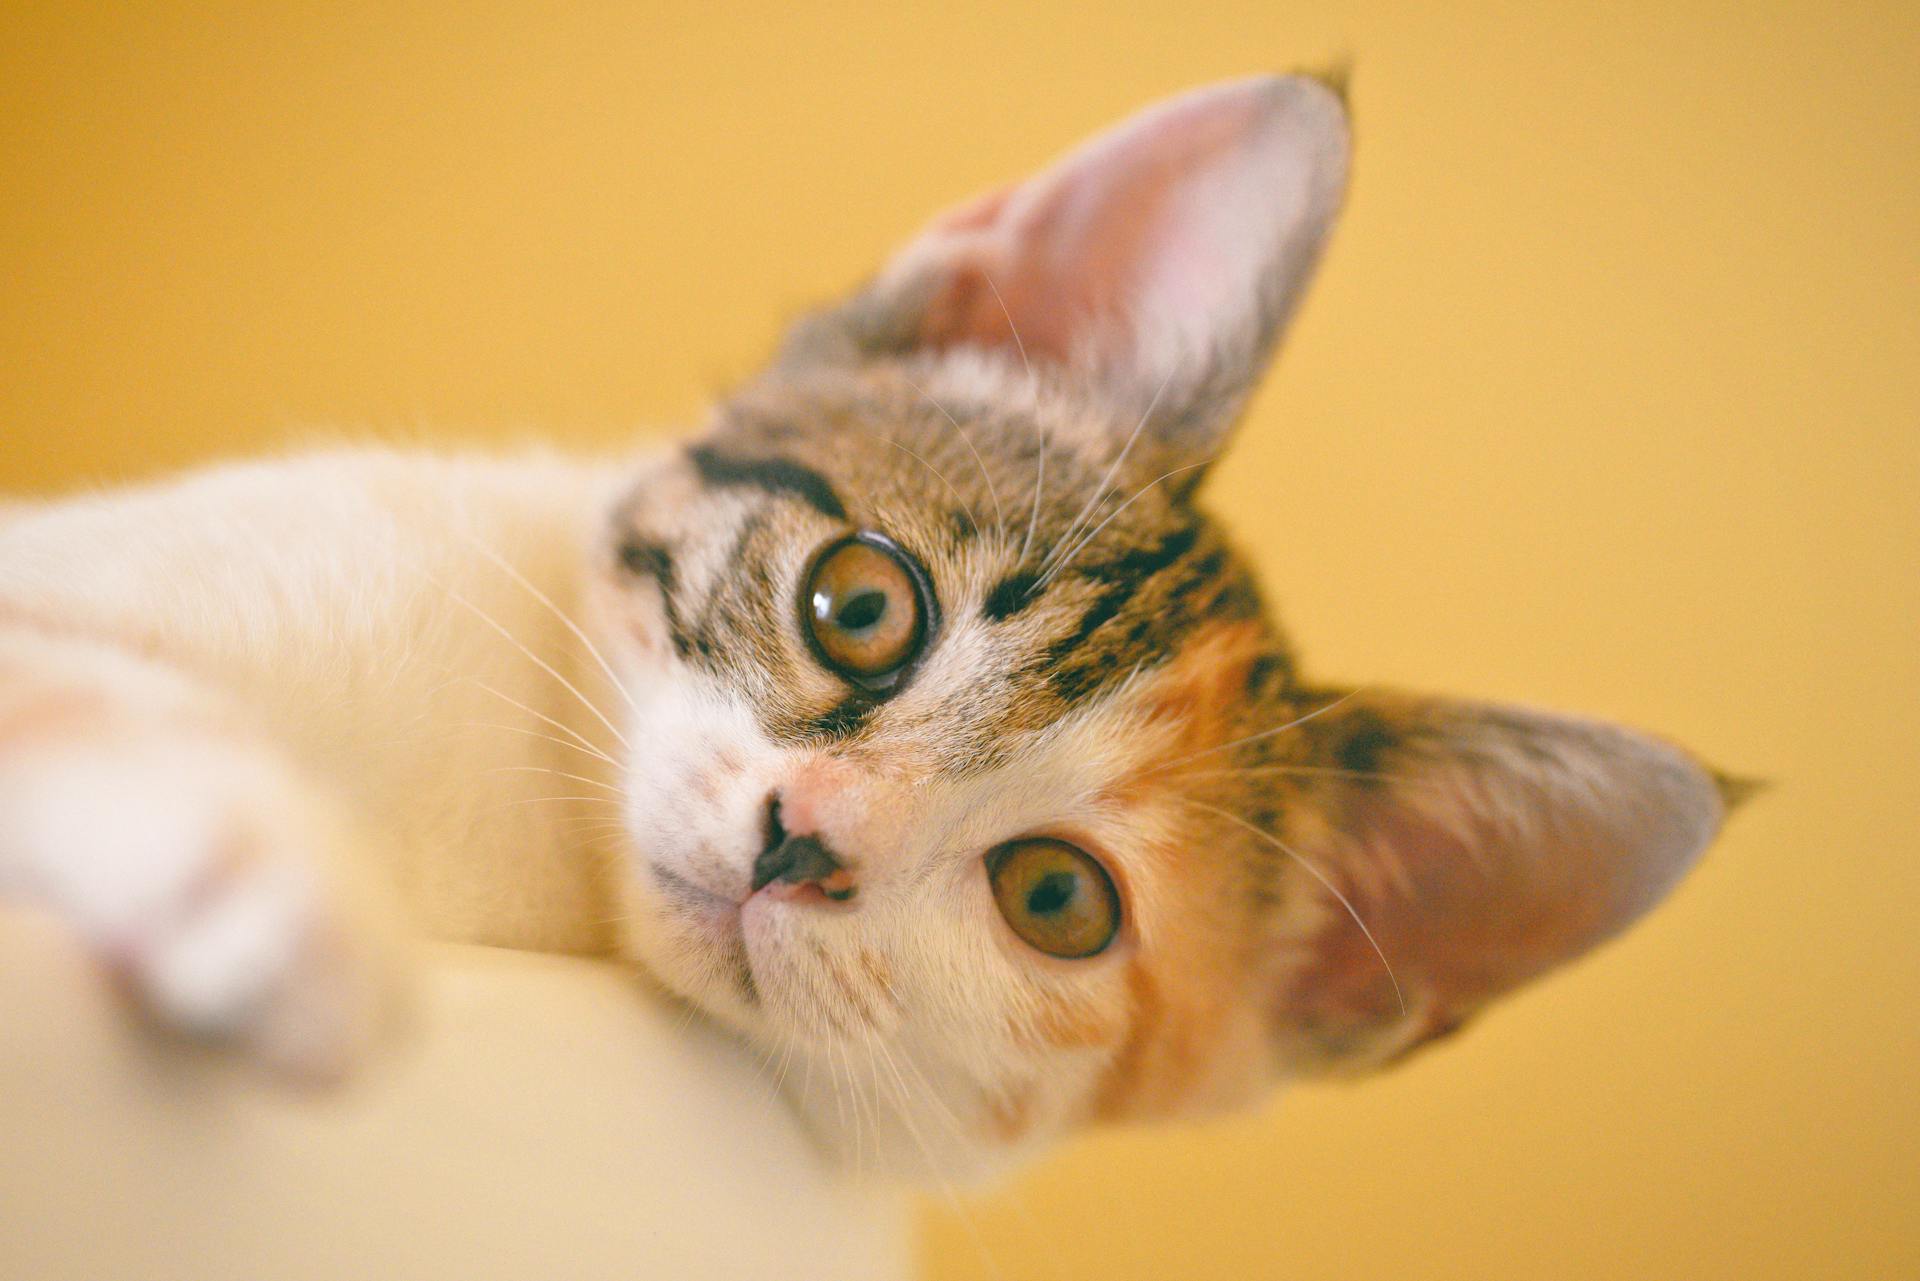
[(865, 609), (1057, 898)]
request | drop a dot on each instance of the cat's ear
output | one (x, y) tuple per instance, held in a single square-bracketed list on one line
[(1481, 846), (1153, 267)]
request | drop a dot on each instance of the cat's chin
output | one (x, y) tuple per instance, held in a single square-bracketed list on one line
[(688, 942), (871, 1122), (868, 1112)]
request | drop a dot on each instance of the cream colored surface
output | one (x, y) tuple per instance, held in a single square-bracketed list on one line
[(1607, 399), (547, 1120)]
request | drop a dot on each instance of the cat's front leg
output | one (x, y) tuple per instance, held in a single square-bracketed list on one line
[(206, 870)]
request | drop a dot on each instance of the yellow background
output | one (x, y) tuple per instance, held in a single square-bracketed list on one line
[(1607, 399)]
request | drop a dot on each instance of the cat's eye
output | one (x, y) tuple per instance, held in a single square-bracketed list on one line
[(1056, 896), (865, 609)]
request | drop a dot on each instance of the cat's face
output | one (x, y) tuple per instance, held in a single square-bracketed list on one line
[(971, 782), (1024, 921)]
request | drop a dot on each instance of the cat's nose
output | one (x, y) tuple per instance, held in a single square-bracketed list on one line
[(797, 860)]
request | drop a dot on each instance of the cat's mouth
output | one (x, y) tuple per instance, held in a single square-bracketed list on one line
[(712, 922)]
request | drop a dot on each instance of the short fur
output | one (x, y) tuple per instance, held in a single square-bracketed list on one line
[(546, 702)]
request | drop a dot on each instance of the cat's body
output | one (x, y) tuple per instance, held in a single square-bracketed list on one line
[(323, 604), (915, 722)]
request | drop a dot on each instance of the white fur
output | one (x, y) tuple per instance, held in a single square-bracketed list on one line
[(302, 694), (337, 608)]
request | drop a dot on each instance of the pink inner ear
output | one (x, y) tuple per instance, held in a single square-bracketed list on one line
[(1171, 219), (1481, 874), (1459, 923)]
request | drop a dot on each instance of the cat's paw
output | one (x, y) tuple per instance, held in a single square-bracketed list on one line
[(203, 875)]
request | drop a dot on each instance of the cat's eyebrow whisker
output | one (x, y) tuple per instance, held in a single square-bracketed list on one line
[(1325, 881), (539, 662), (504, 566), (1013, 329), (1104, 487), (1061, 563), (1039, 481), (999, 513), (1033, 389), (557, 773), (1254, 738), (964, 505)]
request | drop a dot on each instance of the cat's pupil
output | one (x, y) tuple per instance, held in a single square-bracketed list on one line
[(863, 611), (1053, 892)]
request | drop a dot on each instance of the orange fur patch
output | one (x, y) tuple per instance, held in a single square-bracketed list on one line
[(1185, 986), (1063, 1024)]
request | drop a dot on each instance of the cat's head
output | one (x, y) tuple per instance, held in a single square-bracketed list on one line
[(973, 783)]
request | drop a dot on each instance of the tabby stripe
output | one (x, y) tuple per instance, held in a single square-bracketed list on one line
[(780, 476), (1011, 595), (843, 720), (644, 558), (1127, 574)]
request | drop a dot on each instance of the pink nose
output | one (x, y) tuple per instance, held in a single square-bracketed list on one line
[(808, 792)]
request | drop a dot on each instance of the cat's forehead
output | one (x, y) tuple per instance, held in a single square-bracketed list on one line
[(1059, 572), (958, 439)]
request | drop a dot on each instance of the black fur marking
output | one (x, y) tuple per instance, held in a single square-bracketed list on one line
[(1143, 563), (1085, 660), (772, 475), (843, 720), (644, 559), (1126, 572), (1238, 599), (1267, 675), (1104, 607), (1363, 749), (1010, 595)]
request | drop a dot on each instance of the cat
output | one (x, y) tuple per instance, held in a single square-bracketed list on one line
[(914, 721)]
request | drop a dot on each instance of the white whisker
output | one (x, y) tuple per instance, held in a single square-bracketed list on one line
[(1033, 390), (541, 769), (541, 663), (1063, 562), (566, 620), (903, 1108), (562, 726), (1012, 329), (1039, 482), (548, 800), (534, 733), (1308, 771), (964, 506), (1100, 491), (1254, 738), (1327, 883), (999, 513)]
